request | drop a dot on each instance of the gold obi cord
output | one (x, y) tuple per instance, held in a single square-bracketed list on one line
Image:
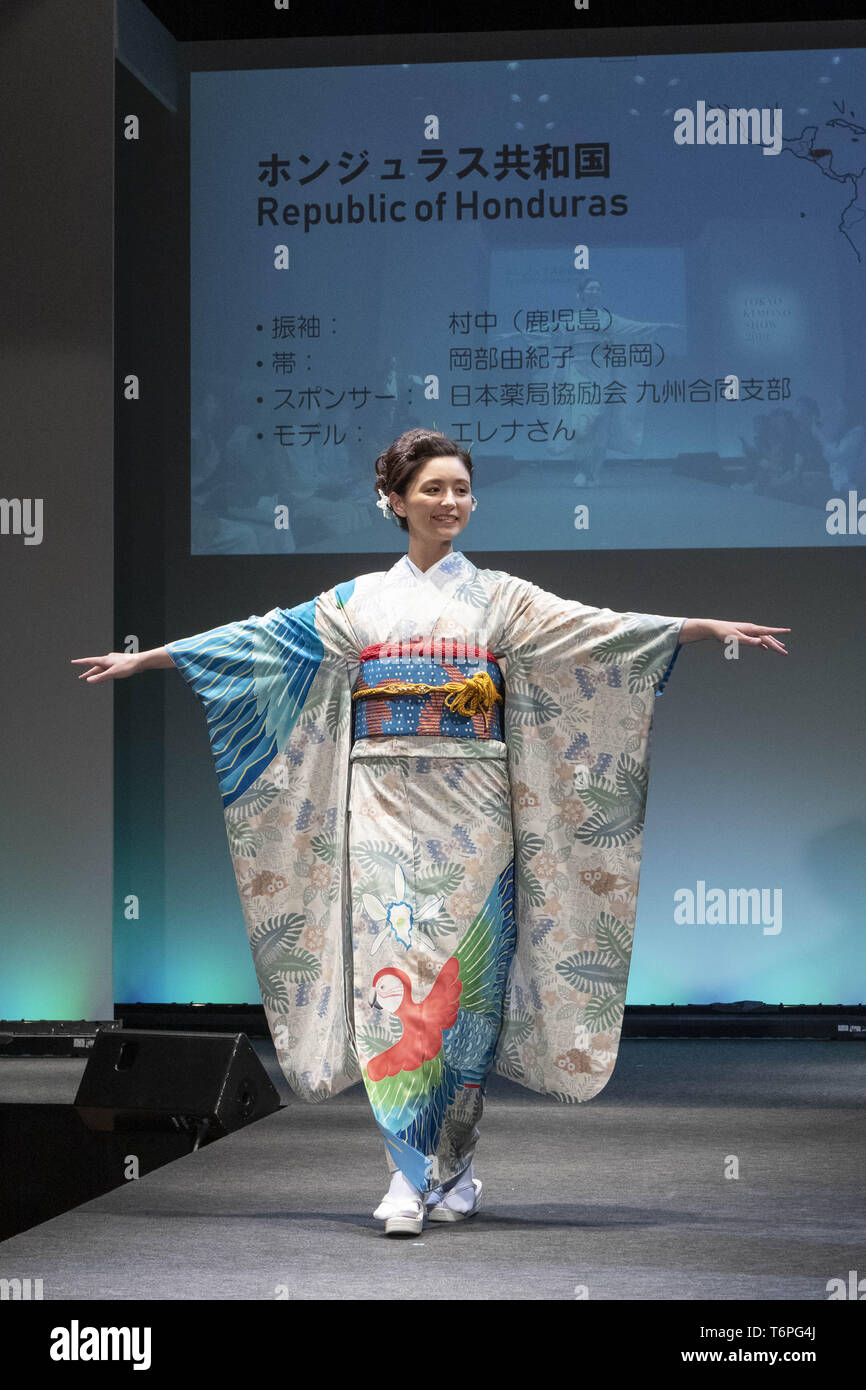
[(468, 696)]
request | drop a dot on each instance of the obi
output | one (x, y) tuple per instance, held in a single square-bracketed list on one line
[(429, 686)]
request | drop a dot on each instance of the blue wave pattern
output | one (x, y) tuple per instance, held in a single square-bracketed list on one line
[(252, 677)]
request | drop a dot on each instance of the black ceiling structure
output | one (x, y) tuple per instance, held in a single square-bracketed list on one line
[(204, 20)]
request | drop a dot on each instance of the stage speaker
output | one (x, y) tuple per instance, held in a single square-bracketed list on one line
[(210, 1083)]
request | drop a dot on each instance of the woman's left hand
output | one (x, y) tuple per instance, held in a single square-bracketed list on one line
[(754, 634)]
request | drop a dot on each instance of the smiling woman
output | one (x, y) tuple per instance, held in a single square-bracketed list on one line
[(428, 493), (433, 782)]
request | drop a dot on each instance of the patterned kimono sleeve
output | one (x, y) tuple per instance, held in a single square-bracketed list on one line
[(277, 699), (252, 678), (578, 713), (560, 636)]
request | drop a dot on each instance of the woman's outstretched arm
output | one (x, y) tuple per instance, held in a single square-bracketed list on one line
[(755, 634), (115, 665)]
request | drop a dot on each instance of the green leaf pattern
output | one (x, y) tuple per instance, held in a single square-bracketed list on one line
[(579, 685)]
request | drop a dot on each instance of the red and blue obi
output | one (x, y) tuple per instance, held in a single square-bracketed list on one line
[(428, 686)]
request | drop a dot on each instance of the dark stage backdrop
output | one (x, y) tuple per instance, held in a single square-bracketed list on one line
[(56, 506)]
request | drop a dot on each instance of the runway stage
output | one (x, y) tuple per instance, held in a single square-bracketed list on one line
[(622, 1198)]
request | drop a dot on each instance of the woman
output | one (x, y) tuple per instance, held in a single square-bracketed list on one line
[(433, 781)]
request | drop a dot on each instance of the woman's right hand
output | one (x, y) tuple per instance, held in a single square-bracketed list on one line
[(111, 667)]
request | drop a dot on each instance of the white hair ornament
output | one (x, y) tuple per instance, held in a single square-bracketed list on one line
[(384, 505)]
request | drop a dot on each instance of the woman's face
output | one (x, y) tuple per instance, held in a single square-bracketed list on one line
[(438, 501)]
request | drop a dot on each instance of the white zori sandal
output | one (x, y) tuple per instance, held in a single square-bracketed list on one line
[(458, 1203), (402, 1208)]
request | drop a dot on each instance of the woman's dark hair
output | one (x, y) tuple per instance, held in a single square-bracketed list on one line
[(397, 466)]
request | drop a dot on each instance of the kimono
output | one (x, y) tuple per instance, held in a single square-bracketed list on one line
[(436, 886)]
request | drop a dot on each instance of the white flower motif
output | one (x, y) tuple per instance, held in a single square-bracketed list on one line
[(397, 917)]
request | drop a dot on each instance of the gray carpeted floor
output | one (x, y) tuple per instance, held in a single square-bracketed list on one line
[(622, 1198)]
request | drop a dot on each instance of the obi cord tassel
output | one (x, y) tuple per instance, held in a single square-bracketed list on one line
[(465, 697)]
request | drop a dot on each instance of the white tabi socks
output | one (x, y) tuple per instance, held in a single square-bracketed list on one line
[(461, 1197), (400, 1197)]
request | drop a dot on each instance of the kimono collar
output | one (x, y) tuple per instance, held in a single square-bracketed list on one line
[(452, 569)]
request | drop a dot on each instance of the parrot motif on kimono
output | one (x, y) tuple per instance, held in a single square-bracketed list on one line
[(449, 1037), (423, 1023)]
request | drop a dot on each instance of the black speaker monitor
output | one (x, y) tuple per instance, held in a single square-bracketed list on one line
[(211, 1082)]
